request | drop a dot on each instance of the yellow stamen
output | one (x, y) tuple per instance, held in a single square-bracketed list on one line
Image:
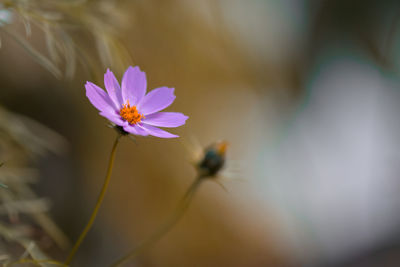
[(130, 113)]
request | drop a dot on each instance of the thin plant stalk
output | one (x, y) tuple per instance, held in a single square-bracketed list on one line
[(98, 203), (166, 227)]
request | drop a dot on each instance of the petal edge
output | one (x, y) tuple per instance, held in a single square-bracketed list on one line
[(156, 100), (154, 131), (165, 119), (133, 85), (99, 98), (113, 88)]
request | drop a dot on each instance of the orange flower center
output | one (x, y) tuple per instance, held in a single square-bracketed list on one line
[(130, 114), (222, 147)]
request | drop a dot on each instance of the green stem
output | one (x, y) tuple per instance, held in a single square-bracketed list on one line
[(98, 203), (164, 229)]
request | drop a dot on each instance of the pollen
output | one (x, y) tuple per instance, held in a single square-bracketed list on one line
[(130, 113)]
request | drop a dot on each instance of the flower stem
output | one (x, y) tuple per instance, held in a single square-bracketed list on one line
[(98, 203), (164, 229)]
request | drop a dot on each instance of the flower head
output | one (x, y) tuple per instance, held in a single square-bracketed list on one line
[(213, 159), (128, 106)]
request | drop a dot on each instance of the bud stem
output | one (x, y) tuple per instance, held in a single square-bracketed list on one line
[(164, 229)]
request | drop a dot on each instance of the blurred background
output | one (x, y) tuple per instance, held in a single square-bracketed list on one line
[(306, 92)]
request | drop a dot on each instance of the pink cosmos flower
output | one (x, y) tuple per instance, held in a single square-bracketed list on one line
[(129, 107)]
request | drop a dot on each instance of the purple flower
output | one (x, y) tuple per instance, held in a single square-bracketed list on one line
[(129, 107)]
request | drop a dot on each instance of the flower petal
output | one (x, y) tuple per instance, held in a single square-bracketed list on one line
[(134, 129), (165, 119), (133, 85), (156, 100), (99, 98), (154, 131), (113, 88), (113, 117)]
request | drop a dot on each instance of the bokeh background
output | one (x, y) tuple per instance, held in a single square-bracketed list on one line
[(306, 92)]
